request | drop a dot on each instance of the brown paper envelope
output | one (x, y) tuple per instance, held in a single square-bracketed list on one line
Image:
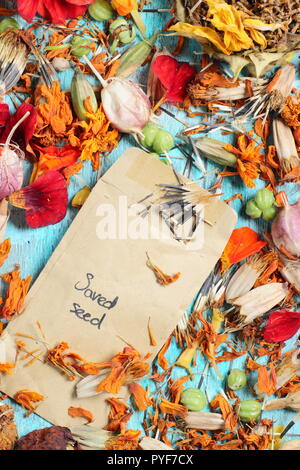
[(119, 270)]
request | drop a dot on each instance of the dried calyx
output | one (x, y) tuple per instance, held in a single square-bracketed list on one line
[(285, 146)]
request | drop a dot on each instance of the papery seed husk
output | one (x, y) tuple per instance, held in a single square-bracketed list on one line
[(293, 444), (204, 420), (260, 300), (288, 367), (244, 278), (149, 443), (285, 145)]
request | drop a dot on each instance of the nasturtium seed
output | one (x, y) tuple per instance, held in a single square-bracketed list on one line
[(236, 379), (252, 210), (249, 410), (269, 213), (193, 399), (264, 199)]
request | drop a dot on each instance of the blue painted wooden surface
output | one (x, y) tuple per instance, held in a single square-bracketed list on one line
[(32, 248)]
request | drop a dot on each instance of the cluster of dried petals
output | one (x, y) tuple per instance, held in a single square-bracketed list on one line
[(51, 438), (15, 295), (93, 138), (26, 398), (54, 114), (8, 429)]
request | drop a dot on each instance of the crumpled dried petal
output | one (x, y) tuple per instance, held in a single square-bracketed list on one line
[(174, 77), (230, 419), (77, 412), (15, 294), (54, 158), (174, 409), (26, 398), (118, 416), (5, 247), (140, 396), (45, 200)]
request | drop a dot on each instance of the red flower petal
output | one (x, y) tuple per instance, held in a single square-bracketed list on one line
[(281, 325), (60, 10), (54, 158), (26, 129), (243, 242), (28, 8), (174, 76), (80, 2), (4, 113), (45, 200)]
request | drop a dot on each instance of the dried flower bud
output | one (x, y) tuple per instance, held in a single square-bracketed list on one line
[(291, 401), (148, 443), (285, 145), (8, 429), (205, 421)]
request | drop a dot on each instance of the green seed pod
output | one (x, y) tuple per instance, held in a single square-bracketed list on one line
[(81, 89), (7, 24), (236, 379), (193, 399), (264, 199), (122, 33), (252, 210), (77, 47), (249, 410), (135, 56), (101, 10), (269, 213)]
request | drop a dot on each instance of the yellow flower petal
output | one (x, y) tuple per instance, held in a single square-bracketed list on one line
[(260, 25), (258, 37), (198, 33)]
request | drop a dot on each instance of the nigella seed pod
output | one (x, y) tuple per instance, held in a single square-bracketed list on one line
[(125, 104)]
